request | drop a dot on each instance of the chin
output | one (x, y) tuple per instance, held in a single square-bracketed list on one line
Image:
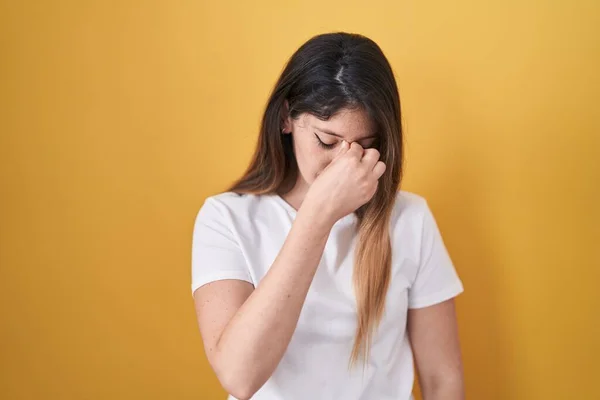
[(305, 180), (311, 181), (308, 177)]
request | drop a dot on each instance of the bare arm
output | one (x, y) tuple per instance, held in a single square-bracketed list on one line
[(433, 334), (246, 331)]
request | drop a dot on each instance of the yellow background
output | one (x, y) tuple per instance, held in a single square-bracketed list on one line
[(118, 118)]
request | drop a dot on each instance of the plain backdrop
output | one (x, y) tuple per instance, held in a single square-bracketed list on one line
[(117, 119)]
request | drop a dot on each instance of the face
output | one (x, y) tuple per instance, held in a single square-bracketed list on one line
[(316, 142)]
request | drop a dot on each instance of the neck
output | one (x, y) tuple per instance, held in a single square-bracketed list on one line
[(295, 197)]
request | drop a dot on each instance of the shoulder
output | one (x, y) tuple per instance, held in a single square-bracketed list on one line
[(409, 206), (409, 217), (230, 200), (231, 206)]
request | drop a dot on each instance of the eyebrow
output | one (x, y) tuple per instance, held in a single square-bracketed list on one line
[(340, 136)]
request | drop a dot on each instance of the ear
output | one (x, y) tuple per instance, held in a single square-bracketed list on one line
[(286, 120)]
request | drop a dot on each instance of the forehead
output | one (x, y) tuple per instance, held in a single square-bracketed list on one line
[(350, 124)]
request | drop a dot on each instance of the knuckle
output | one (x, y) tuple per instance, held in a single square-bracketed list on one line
[(374, 152)]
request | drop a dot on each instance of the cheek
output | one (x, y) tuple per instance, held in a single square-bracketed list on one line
[(311, 160)]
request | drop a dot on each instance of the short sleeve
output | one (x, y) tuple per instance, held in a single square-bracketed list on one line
[(436, 279), (216, 254)]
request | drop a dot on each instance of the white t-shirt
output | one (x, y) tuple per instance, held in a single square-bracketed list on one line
[(239, 236)]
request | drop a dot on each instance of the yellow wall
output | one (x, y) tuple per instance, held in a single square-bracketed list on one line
[(118, 118)]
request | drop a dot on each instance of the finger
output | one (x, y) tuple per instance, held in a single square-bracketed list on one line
[(356, 150), (370, 158), (343, 148), (379, 169)]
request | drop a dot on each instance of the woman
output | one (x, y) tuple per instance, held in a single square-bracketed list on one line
[(313, 276)]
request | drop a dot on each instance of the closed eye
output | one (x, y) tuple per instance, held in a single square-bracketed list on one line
[(323, 144)]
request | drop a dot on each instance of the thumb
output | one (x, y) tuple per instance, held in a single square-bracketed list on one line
[(343, 148)]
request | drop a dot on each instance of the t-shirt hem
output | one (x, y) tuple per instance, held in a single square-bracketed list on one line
[(221, 275), (437, 297)]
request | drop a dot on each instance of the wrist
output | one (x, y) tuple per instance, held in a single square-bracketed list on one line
[(315, 216)]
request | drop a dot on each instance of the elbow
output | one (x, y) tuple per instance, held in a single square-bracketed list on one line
[(241, 383), (240, 387), (449, 387)]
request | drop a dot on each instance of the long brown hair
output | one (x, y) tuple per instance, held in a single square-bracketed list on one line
[(328, 73)]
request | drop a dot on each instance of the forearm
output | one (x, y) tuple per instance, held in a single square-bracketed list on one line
[(256, 338)]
